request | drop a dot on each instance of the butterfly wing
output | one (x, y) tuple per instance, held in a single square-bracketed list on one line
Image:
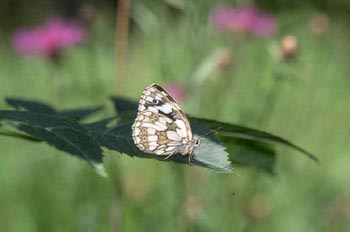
[(160, 126), (151, 134)]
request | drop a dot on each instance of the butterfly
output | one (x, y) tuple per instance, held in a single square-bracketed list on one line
[(161, 127)]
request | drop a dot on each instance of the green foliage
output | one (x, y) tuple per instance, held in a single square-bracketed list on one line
[(62, 133), (235, 131), (251, 153), (61, 130), (39, 107)]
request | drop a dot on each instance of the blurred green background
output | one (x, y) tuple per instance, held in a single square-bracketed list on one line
[(298, 90)]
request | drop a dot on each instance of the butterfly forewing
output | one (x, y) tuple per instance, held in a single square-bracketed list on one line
[(160, 126)]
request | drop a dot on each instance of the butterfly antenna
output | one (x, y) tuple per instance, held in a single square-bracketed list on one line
[(210, 133)]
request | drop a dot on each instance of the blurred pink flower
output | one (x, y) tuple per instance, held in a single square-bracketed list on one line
[(244, 19), (49, 38), (175, 90)]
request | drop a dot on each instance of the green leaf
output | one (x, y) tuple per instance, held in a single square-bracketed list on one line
[(17, 135), (63, 134), (39, 107), (123, 105), (246, 146), (210, 153), (78, 114), (243, 145), (235, 131), (250, 153), (34, 106)]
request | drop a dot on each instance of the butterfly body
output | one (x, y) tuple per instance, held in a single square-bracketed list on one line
[(161, 127)]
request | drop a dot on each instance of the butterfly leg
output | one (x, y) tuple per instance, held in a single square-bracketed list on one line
[(171, 154), (190, 158), (168, 156)]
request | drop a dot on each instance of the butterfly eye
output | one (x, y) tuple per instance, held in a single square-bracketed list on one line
[(155, 101), (197, 142)]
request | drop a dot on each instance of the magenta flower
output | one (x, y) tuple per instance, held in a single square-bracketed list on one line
[(244, 19), (175, 90), (49, 38)]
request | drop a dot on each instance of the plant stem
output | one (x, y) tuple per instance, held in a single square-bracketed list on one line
[(115, 214), (92, 62), (121, 43), (121, 49), (182, 222), (270, 101)]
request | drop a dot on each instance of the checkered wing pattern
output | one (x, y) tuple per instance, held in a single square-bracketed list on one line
[(161, 127)]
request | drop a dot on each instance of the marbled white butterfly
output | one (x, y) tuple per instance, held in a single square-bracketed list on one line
[(161, 127)]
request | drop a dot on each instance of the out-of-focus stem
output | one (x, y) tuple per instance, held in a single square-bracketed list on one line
[(181, 221), (115, 214), (270, 101), (121, 50), (121, 43)]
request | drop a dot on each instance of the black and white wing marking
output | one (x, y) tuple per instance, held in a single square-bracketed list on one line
[(161, 127)]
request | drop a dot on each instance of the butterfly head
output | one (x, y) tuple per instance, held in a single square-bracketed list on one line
[(189, 148), (196, 142)]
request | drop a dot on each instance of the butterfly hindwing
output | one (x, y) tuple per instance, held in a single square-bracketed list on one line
[(151, 133)]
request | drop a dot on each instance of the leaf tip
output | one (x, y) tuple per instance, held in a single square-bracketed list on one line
[(100, 169)]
